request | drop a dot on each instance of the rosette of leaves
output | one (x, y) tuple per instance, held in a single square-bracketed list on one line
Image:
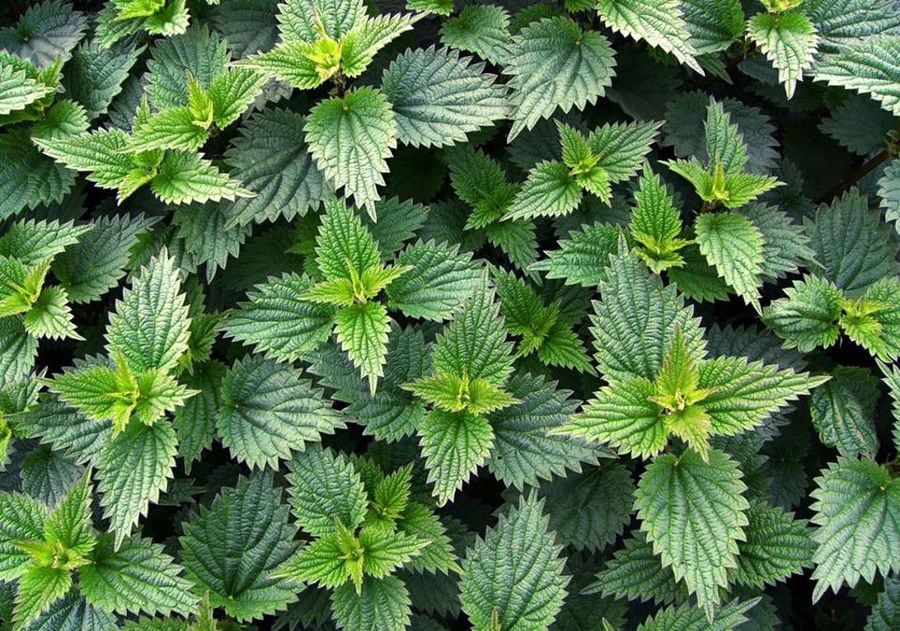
[(54, 555), (364, 528)]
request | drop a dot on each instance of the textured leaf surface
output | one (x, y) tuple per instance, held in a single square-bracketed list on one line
[(866, 67), (137, 576), (694, 513), (857, 511), (350, 139), (514, 575), (267, 411), (556, 65), (233, 547), (133, 468), (439, 97), (159, 341)]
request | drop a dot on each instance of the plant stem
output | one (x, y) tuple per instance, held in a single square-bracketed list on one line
[(869, 165)]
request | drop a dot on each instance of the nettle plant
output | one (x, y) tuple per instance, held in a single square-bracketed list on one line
[(522, 316)]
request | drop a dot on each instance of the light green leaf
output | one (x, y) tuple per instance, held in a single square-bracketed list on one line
[(550, 190), (439, 97), (138, 577), (39, 587), (734, 246), (267, 411), (367, 37), (344, 248), (350, 139), (788, 41), (694, 513), (659, 23), (31, 242), (132, 470), (454, 445), (808, 316), (232, 93), (556, 64), (22, 518), (185, 177), (687, 617), (857, 511), (513, 577)]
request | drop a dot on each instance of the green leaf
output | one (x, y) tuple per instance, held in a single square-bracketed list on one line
[(138, 577), (50, 316), (583, 258), (157, 341), (232, 93), (63, 428), (885, 613), (382, 605), (843, 411), (344, 248), (788, 41), (272, 159), (17, 89), (170, 129), (635, 322), (852, 244), (589, 510), (694, 513), (132, 470), (656, 224), (713, 25), (99, 392), (31, 242), (856, 509), (267, 411), (525, 450), (39, 587), (687, 617), (734, 246), (474, 344), (94, 77), (556, 64), (438, 555), (99, 153), (362, 330), (439, 97), (215, 552), (623, 416), (324, 488), (280, 323), (889, 192), (550, 190), (45, 32), (69, 524), (94, 265), (185, 177), (808, 316), (660, 24), (454, 445), (776, 547), (513, 577), (440, 280), (480, 29), (867, 67), (785, 244), (892, 380), (350, 139), (744, 394), (635, 572), (22, 518), (47, 475), (367, 37)]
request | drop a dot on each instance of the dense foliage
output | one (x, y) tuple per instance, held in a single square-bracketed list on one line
[(332, 314)]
